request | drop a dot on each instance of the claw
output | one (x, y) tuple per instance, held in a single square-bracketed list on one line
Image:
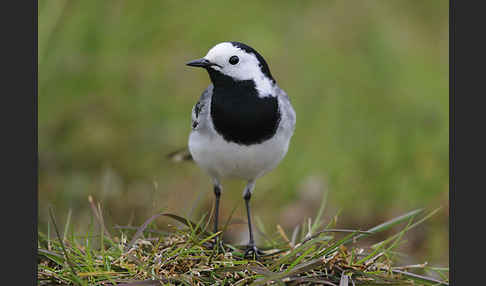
[(253, 252)]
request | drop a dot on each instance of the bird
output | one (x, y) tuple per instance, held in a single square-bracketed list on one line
[(242, 124)]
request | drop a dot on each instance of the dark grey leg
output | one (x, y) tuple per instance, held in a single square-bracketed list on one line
[(217, 195), (251, 250), (218, 245), (248, 213)]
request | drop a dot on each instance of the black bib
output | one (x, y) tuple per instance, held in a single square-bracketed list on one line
[(238, 114)]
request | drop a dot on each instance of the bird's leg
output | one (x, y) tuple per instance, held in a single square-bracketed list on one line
[(251, 250), (217, 194)]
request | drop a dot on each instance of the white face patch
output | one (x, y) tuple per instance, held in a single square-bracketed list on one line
[(247, 67)]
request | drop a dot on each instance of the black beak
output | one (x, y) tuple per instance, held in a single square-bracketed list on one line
[(203, 63)]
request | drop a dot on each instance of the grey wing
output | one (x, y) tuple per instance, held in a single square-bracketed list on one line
[(199, 119), (200, 110), (287, 110)]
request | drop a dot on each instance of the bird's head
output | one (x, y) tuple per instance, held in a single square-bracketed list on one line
[(235, 61)]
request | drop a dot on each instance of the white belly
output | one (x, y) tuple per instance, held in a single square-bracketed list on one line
[(221, 159)]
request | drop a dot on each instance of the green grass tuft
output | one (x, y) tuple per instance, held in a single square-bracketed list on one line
[(184, 256)]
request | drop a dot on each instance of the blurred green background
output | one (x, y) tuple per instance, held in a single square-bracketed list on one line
[(368, 80)]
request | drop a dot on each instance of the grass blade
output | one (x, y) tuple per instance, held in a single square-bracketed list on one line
[(320, 212), (414, 224), (185, 221), (140, 230), (98, 216), (388, 224), (66, 226), (71, 267), (420, 278)]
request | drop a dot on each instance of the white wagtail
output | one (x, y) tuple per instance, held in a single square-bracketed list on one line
[(243, 122)]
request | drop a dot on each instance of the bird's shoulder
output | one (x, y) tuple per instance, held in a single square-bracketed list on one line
[(199, 110), (286, 108), (281, 94)]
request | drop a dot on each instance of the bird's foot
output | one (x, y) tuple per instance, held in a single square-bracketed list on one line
[(253, 252)]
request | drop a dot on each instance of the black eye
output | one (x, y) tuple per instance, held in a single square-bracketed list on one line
[(234, 60)]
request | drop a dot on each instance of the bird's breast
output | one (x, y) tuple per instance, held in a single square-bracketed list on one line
[(223, 159)]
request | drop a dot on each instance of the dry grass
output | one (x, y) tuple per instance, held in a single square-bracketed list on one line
[(184, 256)]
